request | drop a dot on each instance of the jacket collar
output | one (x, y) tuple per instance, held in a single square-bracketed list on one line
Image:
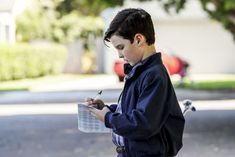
[(130, 71)]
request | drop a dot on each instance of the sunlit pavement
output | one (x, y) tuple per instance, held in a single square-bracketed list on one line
[(71, 108)]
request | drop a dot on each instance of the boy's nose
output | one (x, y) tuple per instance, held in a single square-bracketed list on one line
[(121, 56)]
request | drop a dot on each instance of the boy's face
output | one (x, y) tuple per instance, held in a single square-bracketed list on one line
[(130, 52)]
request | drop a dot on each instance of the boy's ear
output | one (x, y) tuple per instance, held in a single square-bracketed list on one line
[(139, 39)]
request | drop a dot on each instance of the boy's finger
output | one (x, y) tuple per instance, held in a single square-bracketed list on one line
[(91, 108), (92, 111), (89, 99), (91, 105)]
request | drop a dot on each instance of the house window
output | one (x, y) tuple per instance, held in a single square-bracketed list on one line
[(1, 30), (7, 33), (4, 33)]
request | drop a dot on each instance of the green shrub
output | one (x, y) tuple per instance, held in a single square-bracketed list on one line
[(27, 61)]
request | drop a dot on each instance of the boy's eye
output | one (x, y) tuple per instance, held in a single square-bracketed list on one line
[(120, 47)]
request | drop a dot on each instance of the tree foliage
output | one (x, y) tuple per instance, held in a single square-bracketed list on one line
[(34, 23), (222, 11), (62, 20), (85, 7), (66, 20)]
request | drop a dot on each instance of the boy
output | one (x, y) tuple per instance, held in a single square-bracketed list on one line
[(147, 121)]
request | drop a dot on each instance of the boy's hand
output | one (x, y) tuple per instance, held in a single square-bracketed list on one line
[(97, 103), (99, 114)]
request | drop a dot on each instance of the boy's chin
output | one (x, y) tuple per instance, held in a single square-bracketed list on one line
[(132, 64)]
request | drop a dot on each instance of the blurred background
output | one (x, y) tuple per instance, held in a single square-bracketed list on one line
[(52, 56)]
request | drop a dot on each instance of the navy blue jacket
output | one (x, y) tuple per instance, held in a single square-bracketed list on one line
[(151, 122)]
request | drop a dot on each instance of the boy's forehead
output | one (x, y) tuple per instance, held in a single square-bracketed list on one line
[(115, 39)]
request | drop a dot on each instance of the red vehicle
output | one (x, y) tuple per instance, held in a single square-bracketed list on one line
[(173, 64)]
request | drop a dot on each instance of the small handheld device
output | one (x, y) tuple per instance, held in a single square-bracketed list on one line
[(188, 106)]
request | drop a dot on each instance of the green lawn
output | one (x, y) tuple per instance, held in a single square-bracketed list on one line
[(214, 82)]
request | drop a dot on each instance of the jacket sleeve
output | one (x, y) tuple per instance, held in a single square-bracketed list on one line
[(113, 107), (149, 115)]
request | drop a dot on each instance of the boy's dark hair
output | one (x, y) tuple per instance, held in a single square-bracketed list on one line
[(129, 22)]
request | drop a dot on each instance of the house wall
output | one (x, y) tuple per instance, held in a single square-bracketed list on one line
[(207, 46)]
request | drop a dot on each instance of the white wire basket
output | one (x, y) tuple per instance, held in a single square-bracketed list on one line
[(88, 123)]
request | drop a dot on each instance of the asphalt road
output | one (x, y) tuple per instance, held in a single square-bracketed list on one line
[(30, 133), (209, 133), (44, 124)]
